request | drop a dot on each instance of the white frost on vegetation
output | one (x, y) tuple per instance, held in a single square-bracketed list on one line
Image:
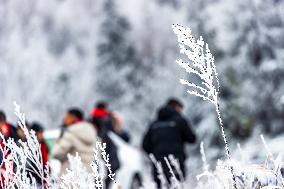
[(21, 158)]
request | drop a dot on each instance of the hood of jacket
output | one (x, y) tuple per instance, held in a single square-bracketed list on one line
[(166, 113), (84, 131)]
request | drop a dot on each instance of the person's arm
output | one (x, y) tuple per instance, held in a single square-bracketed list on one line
[(146, 144), (188, 134), (63, 146), (124, 135)]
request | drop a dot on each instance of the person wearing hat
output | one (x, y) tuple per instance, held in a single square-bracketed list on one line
[(38, 129), (167, 135)]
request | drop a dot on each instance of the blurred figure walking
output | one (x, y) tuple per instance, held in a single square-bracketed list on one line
[(167, 135), (103, 121), (78, 137)]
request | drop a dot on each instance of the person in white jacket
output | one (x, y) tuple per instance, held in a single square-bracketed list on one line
[(78, 137)]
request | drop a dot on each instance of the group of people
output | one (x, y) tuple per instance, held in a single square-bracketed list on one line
[(165, 136), (79, 135)]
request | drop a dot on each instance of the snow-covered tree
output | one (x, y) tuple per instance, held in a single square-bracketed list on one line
[(116, 54)]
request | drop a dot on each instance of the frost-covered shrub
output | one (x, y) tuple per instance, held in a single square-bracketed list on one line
[(248, 176), (23, 159), (229, 173)]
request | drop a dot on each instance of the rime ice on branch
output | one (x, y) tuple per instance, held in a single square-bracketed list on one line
[(202, 65)]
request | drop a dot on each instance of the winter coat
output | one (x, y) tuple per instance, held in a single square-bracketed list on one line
[(80, 137), (44, 152), (168, 135)]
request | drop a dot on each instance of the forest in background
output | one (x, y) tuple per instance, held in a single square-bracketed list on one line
[(61, 53)]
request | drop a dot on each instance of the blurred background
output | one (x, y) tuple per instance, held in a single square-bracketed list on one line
[(58, 54)]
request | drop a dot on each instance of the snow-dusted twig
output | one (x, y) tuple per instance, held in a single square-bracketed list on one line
[(102, 147), (161, 175), (266, 147), (22, 159), (244, 156), (95, 168), (31, 147), (76, 175), (176, 164), (174, 181), (202, 65), (204, 159)]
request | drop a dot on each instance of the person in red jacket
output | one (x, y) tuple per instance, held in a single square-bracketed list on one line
[(8, 131), (44, 148), (38, 129)]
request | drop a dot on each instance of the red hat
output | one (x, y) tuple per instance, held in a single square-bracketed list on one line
[(100, 113)]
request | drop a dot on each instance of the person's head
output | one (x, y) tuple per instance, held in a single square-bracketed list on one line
[(20, 132), (3, 129), (72, 116), (101, 105), (176, 104), (2, 118), (38, 129)]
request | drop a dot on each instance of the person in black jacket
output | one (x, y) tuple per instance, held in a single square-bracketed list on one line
[(167, 136)]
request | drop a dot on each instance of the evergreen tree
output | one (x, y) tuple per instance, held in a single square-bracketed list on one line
[(116, 55)]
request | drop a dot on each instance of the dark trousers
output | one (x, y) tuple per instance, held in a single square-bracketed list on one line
[(167, 173)]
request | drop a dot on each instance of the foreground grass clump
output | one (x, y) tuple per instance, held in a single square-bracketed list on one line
[(22, 160)]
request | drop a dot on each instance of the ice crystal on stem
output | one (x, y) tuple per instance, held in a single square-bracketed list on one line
[(77, 175)]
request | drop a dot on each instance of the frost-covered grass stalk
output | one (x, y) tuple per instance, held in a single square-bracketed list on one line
[(173, 181), (204, 159), (202, 65), (277, 163), (160, 171), (105, 156), (78, 177), (22, 159), (173, 167), (248, 176), (176, 165)]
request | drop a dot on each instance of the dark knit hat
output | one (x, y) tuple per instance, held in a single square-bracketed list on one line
[(37, 127), (174, 102), (76, 112)]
